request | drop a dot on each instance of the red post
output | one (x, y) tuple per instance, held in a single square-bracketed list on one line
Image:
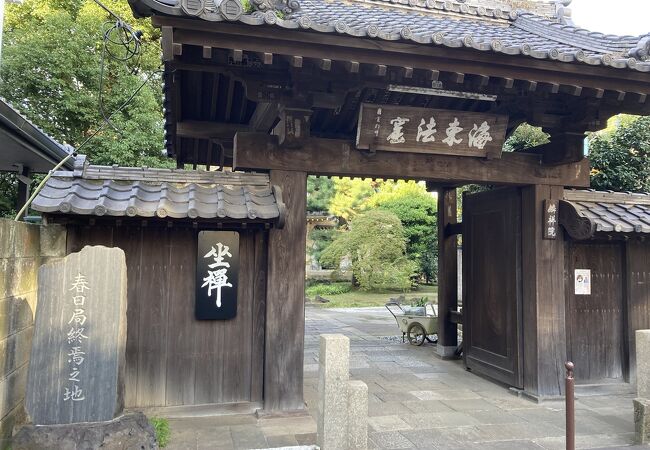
[(570, 408)]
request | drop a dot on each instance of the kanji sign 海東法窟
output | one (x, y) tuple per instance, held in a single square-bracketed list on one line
[(423, 130)]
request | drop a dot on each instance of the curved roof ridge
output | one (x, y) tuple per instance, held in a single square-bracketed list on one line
[(570, 34)]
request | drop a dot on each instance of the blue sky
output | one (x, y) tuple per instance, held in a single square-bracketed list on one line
[(613, 16)]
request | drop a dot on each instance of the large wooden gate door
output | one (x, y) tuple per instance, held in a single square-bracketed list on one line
[(492, 285), (596, 323)]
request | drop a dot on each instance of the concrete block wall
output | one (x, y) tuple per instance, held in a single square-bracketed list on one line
[(23, 249)]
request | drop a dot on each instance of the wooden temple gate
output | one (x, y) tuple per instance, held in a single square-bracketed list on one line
[(283, 88)]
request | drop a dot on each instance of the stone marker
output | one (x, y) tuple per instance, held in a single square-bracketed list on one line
[(357, 415), (643, 363), (642, 420), (76, 371), (333, 375)]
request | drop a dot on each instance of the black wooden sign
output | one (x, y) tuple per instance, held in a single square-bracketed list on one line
[(217, 275)]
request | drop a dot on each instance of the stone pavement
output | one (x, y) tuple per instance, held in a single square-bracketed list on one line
[(416, 401)]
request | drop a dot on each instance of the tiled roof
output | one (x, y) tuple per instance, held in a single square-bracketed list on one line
[(161, 193), (612, 212), (434, 22)]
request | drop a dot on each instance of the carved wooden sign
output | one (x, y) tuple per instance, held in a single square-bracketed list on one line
[(550, 217), (217, 275), (423, 130)]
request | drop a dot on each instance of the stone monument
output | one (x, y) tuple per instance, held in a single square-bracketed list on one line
[(76, 370)]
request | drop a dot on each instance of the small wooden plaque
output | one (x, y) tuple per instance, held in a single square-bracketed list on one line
[(551, 214), (422, 130)]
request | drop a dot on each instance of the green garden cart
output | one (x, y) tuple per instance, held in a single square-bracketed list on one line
[(417, 323)]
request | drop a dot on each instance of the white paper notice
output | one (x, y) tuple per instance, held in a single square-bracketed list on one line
[(582, 282)]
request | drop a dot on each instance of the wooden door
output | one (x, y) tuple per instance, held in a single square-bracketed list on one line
[(595, 323), (492, 285), (172, 359)]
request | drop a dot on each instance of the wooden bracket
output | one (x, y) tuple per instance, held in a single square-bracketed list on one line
[(294, 127), (565, 147)]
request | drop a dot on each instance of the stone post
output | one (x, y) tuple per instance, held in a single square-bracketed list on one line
[(333, 375), (642, 420), (357, 415), (643, 364), (642, 402)]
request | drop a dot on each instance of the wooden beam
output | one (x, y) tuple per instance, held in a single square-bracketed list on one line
[(565, 147), (285, 298), (380, 70), (207, 52), (483, 81), (237, 56), (332, 157), (167, 43), (264, 117), (543, 285), (408, 72), (447, 274), (208, 130), (296, 61), (325, 64), (265, 57), (352, 66), (454, 229)]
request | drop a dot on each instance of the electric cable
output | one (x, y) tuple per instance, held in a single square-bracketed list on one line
[(131, 42)]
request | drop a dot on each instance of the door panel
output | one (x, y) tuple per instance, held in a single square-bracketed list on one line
[(595, 323), (492, 284), (172, 359)]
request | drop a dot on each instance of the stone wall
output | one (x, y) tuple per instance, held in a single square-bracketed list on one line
[(23, 249)]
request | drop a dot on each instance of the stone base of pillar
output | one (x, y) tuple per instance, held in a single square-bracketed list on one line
[(446, 352), (642, 420)]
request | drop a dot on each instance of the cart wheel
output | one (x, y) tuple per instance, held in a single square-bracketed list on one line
[(433, 339), (416, 334)]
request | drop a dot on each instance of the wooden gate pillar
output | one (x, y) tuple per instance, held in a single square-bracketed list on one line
[(543, 296), (285, 299), (447, 273)]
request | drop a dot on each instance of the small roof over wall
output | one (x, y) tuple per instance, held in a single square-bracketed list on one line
[(161, 193), (22, 143), (585, 213)]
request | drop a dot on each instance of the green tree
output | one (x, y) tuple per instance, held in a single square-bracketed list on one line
[(620, 157), (416, 208), (320, 192), (525, 136), (51, 69), (376, 244), (351, 195)]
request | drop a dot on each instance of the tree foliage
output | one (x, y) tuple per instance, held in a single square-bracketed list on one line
[(417, 210), (320, 192), (351, 195), (376, 244), (525, 136), (51, 73), (620, 158)]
